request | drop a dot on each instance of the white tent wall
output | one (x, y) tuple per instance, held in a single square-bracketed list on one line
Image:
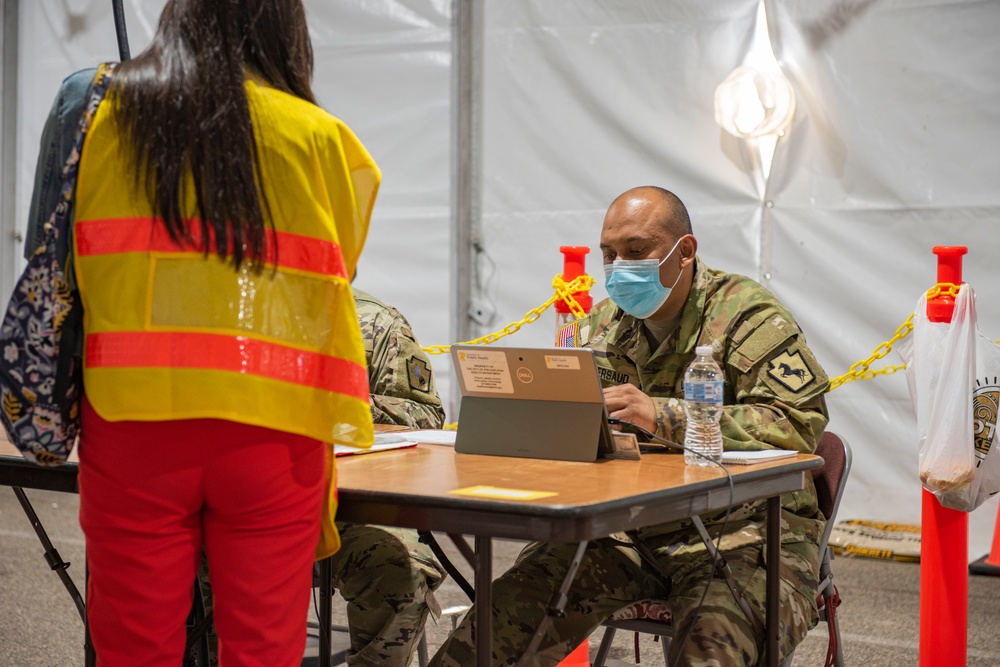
[(892, 151), (583, 100), (385, 69), (8, 143)]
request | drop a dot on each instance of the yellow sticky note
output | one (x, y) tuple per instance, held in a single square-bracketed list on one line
[(502, 494)]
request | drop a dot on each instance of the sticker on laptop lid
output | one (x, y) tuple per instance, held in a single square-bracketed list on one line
[(486, 371), (498, 493), (562, 362)]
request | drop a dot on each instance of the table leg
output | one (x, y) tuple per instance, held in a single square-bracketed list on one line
[(325, 611), (773, 581), (556, 606), (484, 601)]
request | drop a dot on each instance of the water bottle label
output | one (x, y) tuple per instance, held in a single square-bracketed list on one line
[(703, 392)]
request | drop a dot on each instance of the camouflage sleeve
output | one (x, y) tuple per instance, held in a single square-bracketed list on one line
[(670, 418), (774, 389), (401, 380), (779, 386)]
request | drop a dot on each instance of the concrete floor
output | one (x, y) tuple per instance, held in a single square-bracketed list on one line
[(39, 626)]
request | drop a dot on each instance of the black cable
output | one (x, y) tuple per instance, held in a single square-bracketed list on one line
[(120, 31), (427, 538), (652, 437)]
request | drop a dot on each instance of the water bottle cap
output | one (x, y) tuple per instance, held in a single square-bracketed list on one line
[(703, 350)]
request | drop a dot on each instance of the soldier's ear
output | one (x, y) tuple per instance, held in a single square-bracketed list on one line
[(688, 247)]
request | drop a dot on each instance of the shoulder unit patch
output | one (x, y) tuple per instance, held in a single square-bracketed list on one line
[(790, 370), (418, 373)]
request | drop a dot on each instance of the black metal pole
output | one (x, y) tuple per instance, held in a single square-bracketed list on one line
[(52, 557), (325, 611), (120, 31)]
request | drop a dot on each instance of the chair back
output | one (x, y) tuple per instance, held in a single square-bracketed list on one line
[(831, 479)]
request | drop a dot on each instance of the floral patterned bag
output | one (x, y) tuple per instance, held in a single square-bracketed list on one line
[(40, 374)]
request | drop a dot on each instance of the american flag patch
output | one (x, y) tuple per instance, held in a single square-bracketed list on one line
[(566, 337)]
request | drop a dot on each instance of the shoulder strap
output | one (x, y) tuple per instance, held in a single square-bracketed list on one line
[(59, 220)]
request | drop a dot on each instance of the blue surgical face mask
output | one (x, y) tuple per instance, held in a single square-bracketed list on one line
[(634, 284)]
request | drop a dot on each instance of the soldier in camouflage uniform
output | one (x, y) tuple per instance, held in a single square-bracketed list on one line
[(387, 575), (773, 399), (402, 388)]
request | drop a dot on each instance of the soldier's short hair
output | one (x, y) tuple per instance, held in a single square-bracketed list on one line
[(677, 220)]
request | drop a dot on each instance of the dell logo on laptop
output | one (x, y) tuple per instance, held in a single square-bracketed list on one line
[(525, 375)]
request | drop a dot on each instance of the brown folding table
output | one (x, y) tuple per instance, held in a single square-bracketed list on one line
[(416, 488)]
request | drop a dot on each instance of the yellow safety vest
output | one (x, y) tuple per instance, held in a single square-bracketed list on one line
[(173, 334)]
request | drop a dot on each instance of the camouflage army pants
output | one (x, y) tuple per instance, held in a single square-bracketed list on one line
[(387, 576), (612, 575)]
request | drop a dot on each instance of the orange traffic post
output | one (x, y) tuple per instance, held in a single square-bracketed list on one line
[(574, 266), (944, 539), (990, 563), (580, 657)]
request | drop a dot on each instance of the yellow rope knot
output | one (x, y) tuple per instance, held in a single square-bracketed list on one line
[(563, 291)]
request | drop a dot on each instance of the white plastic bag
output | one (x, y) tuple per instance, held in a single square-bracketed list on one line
[(952, 371)]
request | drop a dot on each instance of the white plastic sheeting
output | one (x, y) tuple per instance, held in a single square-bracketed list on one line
[(893, 150)]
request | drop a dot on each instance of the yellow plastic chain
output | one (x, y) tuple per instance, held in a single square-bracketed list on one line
[(861, 371), (563, 291)]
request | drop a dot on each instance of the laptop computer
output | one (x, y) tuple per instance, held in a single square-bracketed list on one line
[(543, 403)]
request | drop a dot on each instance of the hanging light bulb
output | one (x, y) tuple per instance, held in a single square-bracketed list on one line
[(753, 103)]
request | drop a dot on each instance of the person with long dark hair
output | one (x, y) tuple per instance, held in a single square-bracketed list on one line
[(218, 218)]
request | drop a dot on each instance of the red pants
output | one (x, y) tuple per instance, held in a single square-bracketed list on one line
[(152, 493)]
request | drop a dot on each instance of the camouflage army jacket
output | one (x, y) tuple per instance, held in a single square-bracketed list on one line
[(400, 377), (773, 385)]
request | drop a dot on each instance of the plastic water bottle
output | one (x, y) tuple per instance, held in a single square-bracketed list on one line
[(703, 383)]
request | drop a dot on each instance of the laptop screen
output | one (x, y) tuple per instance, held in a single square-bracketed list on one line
[(531, 402)]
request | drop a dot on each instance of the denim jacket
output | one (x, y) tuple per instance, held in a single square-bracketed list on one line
[(56, 144)]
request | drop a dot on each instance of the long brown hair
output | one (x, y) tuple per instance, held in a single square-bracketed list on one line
[(182, 106)]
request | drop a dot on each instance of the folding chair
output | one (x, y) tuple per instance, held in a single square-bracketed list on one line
[(830, 482), (653, 616)]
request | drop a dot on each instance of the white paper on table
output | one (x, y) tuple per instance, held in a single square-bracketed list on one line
[(434, 437), (383, 442)]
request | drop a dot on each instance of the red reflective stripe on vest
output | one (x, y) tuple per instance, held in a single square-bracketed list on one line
[(155, 349), (116, 235)]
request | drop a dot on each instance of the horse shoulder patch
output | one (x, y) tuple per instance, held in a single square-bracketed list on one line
[(790, 370)]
